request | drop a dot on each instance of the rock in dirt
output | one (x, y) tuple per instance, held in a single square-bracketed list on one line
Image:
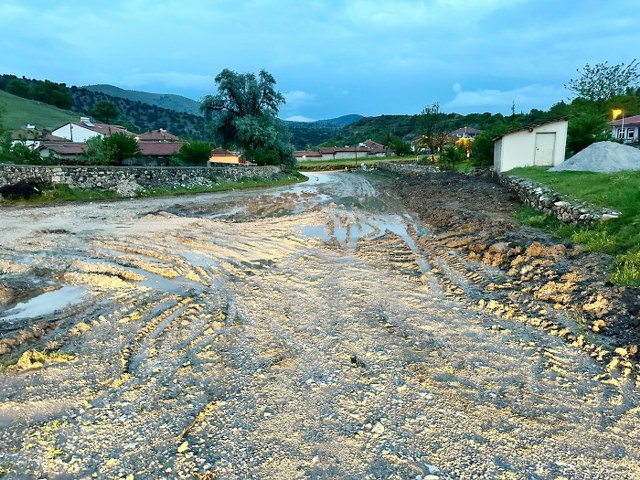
[(18, 190)]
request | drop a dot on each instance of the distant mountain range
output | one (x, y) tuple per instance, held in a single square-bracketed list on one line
[(163, 100)]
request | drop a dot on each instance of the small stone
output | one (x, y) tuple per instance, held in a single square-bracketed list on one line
[(184, 447), (378, 429)]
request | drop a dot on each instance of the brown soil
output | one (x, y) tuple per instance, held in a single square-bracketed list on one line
[(472, 215)]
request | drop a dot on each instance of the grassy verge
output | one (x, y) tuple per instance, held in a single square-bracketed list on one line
[(619, 191), (341, 164), (62, 193)]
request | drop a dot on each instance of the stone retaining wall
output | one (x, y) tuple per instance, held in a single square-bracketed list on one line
[(406, 167), (127, 181), (552, 203)]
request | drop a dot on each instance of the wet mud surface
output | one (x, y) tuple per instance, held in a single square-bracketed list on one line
[(354, 326)]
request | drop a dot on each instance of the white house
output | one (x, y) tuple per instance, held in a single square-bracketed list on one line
[(626, 129), (81, 132), (535, 145)]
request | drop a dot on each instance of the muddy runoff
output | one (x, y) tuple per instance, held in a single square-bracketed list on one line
[(340, 328)]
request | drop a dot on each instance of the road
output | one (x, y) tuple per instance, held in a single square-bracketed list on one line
[(299, 332)]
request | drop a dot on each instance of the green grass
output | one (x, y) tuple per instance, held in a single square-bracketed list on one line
[(315, 165), (17, 112), (618, 191)]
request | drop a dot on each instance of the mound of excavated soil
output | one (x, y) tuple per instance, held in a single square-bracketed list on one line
[(603, 157)]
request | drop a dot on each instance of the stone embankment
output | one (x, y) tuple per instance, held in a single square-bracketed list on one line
[(128, 181), (552, 203), (406, 167)]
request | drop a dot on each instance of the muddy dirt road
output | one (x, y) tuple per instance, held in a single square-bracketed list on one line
[(311, 331)]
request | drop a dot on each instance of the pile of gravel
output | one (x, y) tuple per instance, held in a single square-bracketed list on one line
[(603, 157)]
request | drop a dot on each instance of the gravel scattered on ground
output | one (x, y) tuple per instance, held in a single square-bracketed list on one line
[(604, 157), (333, 329)]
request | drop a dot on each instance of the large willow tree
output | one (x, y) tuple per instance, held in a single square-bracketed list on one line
[(245, 114)]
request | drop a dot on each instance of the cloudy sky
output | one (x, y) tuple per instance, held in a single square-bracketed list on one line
[(329, 57)]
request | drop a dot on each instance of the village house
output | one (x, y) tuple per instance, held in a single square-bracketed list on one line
[(465, 132), (302, 155), (222, 156), (154, 154), (86, 129), (62, 151), (32, 138), (160, 135), (363, 150), (626, 129)]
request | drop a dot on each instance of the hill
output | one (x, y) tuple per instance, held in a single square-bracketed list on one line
[(305, 134), (164, 100), (138, 116), (18, 111)]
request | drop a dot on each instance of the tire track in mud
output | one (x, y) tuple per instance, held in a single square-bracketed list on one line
[(331, 343)]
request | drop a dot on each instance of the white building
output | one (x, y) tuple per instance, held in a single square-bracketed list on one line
[(536, 145), (85, 129), (626, 129)]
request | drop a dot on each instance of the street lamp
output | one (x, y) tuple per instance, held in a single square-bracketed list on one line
[(616, 113)]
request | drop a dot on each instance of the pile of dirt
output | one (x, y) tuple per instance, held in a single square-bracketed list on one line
[(603, 157)]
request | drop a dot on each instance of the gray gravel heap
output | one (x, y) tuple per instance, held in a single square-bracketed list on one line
[(603, 157)]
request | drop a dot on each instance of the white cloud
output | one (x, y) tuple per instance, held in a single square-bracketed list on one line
[(494, 100), (296, 98)]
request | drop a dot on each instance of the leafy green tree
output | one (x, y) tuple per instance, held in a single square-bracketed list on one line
[(586, 127), (399, 146), (196, 152), (18, 87), (451, 156), (602, 81), (482, 148), (98, 152), (433, 128), (51, 93), (265, 140), (244, 111), (105, 111), (123, 147)]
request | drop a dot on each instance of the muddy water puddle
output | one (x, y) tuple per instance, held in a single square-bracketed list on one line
[(45, 304)]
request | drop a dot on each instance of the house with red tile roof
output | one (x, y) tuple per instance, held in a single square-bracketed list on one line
[(62, 151), (302, 155), (465, 132), (627, 129), (363, 150), (154, 153), (160, 135), (82, 131)]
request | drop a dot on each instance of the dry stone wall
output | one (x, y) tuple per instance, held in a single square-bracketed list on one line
[(128, 181), (552, 203), (406, 167)]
